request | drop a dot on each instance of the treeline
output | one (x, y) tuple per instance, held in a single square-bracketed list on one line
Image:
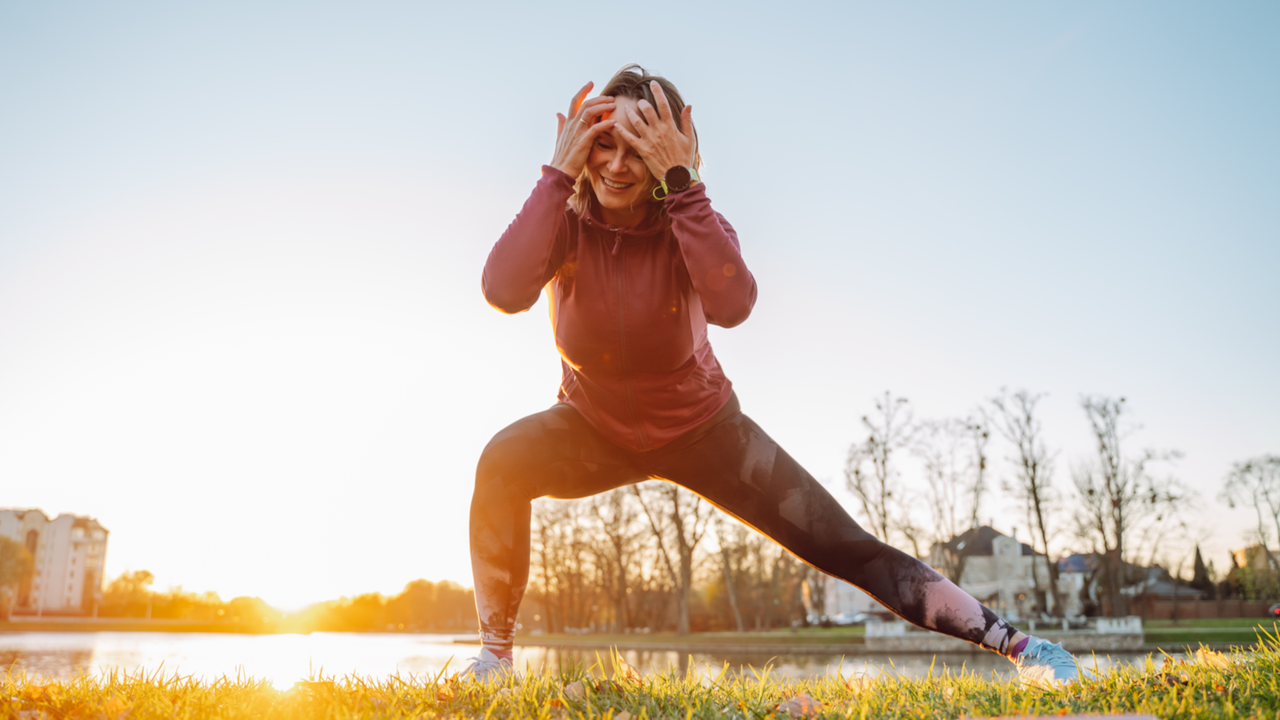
[(656, 557), (635, 560), (422, 606)]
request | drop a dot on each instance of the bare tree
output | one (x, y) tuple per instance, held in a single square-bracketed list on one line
[(16, 570), (1014, 417), (1120, 496), (684, 516), (869, 472), (726, 565), (954, 454), (1256, 483), (617, 516)]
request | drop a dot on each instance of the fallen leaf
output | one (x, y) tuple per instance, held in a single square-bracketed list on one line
[(378, 699), (36, 693), (629, 673), (445, 692), (556, 703), (115, 707), (624, 715), (858, 684), (575, 691), (1213, 659), (801, 706)]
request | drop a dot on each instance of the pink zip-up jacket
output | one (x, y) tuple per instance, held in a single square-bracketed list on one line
[(629, 306)]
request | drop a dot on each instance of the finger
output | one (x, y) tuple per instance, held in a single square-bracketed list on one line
[(560, 119), (600, 127), (650, 115), (637, 122), (576, 102), (592, 110), (599, 99), (690, 132), (632, 139), (664, 107)]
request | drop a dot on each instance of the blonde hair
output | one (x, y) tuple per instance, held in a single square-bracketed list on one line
[(632, 81)]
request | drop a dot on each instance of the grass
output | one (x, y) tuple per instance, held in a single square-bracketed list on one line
[(1211, 623), (1211, 685), (1238, 631), (1169, 636)]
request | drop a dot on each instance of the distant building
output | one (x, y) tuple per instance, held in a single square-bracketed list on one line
[(69, 553), (842, 600), (1257, 558), (1077, 580), (1081, 575), (997, 570)]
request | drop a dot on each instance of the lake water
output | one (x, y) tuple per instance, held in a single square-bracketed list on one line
[(285, 659)]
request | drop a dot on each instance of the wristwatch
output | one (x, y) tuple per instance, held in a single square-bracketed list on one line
[(678, 178)]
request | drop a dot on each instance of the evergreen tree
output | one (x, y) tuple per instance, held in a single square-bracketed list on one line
[(1200, 580)]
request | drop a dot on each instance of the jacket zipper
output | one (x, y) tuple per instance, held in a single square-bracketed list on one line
[(622, 344)]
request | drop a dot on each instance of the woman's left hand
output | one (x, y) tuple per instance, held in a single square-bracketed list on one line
[(657, 138)]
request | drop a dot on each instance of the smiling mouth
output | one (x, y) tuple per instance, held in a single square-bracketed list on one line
[(615, 185)]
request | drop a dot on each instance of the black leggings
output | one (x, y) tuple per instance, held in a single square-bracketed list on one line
[(731, 463)]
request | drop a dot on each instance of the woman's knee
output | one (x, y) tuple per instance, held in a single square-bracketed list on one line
[(503, 464), (518, 453)]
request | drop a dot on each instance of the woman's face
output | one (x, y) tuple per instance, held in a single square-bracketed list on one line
[(619, 176)]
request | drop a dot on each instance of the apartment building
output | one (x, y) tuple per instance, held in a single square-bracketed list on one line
[(69, 553)]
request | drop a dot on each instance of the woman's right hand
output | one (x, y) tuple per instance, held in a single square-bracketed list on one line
[(577, 133)]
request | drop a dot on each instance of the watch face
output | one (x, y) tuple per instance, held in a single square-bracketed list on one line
[(678, 178)]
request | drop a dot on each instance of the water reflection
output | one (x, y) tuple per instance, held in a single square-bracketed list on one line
[(284, 659)]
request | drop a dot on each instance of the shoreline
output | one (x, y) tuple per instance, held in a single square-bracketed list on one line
[(849, 644), (863, 650)]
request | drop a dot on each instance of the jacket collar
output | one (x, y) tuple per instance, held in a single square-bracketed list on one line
[(652, 225)]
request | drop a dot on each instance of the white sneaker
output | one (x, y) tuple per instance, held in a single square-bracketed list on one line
[(1045, 664), (487, 667)]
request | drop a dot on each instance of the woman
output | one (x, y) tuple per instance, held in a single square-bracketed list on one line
[(635, 262)]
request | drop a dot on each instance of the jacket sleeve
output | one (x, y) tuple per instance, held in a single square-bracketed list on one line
[(532, 249), (713, 257)]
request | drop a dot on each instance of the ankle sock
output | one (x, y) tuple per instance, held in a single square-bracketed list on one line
[(1017, 649), (504, 653)]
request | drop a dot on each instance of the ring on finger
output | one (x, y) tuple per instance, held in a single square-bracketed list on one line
[(582, 120)]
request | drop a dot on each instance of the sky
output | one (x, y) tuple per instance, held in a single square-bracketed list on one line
[(241, 243)]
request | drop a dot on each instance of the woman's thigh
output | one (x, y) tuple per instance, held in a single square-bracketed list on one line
[(552, 453), (740, 469)]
